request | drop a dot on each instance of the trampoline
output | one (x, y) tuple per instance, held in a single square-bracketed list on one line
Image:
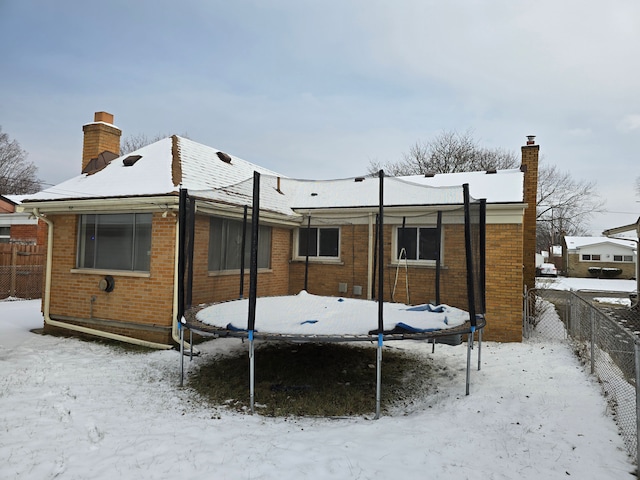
[(312, 318)]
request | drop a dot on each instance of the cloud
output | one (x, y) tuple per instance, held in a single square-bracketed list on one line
[(629, 123)]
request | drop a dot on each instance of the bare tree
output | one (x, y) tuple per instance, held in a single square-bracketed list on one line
[(448, 152), (134, 142), (564, 206), (17, 175)]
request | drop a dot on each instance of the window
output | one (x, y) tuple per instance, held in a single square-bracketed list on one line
[(623, 258), (225, 245), (322, 242), (417, 243), (5, 234), (115, 241), (592, 258)]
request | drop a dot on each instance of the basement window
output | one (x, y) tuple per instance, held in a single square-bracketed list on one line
[(120, 241)]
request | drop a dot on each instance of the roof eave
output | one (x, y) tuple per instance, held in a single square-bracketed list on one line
[(102, 204)]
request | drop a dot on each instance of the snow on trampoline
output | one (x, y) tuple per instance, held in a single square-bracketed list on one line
[(307, 314)]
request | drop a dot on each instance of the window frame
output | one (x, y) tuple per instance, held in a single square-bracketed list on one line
[(395, 245), (298, 255), (591, 257), (225, 224), (141, 224), (5, 238), (623, 258)]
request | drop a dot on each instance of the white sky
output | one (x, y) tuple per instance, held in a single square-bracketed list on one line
[(320, 89)]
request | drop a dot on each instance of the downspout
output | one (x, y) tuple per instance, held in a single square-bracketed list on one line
[(69, 326)]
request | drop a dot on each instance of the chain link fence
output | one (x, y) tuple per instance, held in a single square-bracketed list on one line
[(600, 340)]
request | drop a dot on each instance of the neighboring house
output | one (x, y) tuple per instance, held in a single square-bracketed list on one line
[(22, 238), (583, 253), (19, 227), (113, 264), (634, 227)]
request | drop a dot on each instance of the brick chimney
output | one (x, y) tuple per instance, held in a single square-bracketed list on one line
[(100, 136), (530, 168)]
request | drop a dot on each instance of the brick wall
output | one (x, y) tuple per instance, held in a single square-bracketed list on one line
[(504, 279), (530, 165), (504, 275), (576, 268), (209, 288), (143, 307)]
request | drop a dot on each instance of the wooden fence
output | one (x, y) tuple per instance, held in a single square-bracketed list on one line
[(21, 270)]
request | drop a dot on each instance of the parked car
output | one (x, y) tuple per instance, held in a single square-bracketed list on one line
[(547, 270)]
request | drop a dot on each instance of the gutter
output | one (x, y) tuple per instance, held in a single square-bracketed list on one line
[(69, 326)]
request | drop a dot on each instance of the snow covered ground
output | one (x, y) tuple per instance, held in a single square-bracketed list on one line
[(71, 409), (587, 284)]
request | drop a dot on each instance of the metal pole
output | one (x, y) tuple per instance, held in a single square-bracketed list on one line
[(181, 353), (380, 293), (438, 256), (306, 259), (379, 374), (469, 341), (479, 348), (637, 359), (252, 373), (593, 340), (253, 283)]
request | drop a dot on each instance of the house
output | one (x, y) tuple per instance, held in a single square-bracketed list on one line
[(22, 237), (634, 227), (113, 247), (599, 256), (19, 227)]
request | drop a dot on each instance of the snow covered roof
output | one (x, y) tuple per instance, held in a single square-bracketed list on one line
[(580, 242), (501, 186), (162, 167)]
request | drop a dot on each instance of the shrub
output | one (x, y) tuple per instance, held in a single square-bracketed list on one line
[(605, 272)]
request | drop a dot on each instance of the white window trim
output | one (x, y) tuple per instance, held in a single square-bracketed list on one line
[(317, 258), (426, 263)]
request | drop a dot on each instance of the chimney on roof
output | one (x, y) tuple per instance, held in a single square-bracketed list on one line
[(529, 167), (100, 136)]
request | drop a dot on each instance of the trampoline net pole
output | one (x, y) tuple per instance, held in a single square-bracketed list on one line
[(380, 295), (252, 373), (242, 249)]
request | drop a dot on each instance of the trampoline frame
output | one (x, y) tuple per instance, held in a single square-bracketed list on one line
[(187, 315)]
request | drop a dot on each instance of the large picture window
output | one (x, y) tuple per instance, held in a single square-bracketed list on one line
[(417, 243), (115, 241), (225, 245), (322, 242)]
